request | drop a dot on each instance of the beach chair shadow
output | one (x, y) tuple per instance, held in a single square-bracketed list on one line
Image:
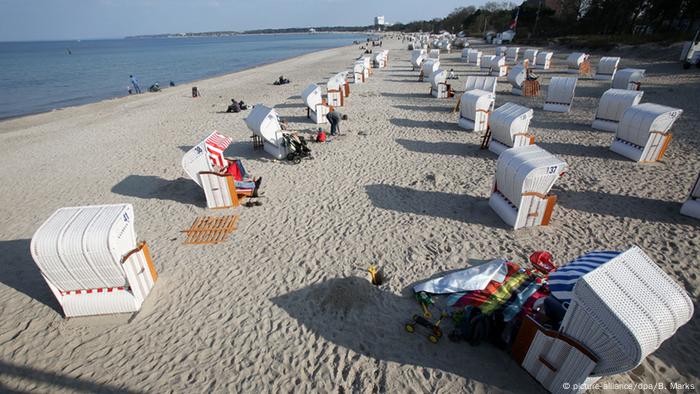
[(646, 209), (22, 274), (459, 207), (601, 152), (427, 108), (426, 124), (444, 148), (181, 190), (353, 314)]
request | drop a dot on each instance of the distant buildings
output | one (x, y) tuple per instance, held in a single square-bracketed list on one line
[(379, 21)]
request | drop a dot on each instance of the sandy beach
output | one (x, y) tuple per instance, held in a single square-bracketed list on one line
[(285, 304)]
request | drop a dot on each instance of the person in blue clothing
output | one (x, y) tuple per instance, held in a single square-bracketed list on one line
[(135, 82)]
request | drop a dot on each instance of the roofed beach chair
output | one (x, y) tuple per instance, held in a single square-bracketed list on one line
[(439, 87), (478, 82), (524, 177), (607, 66), (643, 133), (512, 55), (531, 56), (522, 86), (622, 308), (474, 57), (628, 78), (578, 63), (264, 123), (508, 128), (428, 68), (335, 91), (358, 72), (316, 106), (501, 51), (496, 65), (612, 105), (379, 60), (417, 57), (434, 54), (465, 54), (90, 258), (486, 62), (560, 94), (544, 60), (204, 164), (474, 108), (692, 206)]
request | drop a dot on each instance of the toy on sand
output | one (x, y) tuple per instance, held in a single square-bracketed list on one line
[(434, 328)]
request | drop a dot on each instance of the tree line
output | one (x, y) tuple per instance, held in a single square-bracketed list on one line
[(556, 18)]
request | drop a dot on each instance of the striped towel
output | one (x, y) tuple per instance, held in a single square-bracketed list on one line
[(562, 281)]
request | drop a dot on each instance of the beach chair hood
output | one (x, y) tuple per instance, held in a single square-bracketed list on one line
[(312, 96), (206, 154)]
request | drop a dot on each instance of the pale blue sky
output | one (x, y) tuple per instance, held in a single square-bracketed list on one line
[(73, 19)]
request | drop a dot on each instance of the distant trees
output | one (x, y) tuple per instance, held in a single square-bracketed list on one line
[(551, 18)]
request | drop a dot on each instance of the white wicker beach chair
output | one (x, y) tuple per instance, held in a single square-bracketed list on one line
[(517, 76), (578, 63), (434, 54), (335, 91), (524, 177), (628, 78), (643, 133), (429, 67), (474, 57), (692, 206), (482, 83), (544, 60), (612, 105), (474, 108), (512, 55), (624, 310), (358, 72), (417, 57), (486, 61), (531, 56), (509, 125), (91, 260), (264, 123), (439, 87), (317, 108), (501, 51), (560, 94), (607, 66)]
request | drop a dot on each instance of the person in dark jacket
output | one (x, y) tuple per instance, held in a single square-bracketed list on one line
[(334, 119)]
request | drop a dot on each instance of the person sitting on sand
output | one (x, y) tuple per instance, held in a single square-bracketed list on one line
[(452, 74), (281, 81), (334, 119), (235, 107), (243, 106), (154, 88)]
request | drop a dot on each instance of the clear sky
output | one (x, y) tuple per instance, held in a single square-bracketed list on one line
[(82, 19)]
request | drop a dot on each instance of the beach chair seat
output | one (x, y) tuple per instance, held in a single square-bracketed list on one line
[(90, 258), (531, 56), (560, 94), (622, 309), (508, 128), (628, 78), (439, 87), (607, 67), (512, 55), (474, 108), (524, 176), (544, 60), (643, 133), (517, 76), (264, 122), (612, 105), (578, 63), (692, 206), (474, 57), (205, 155), (316, 107), (555, 360)]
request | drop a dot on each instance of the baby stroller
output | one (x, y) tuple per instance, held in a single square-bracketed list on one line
[(297, 148)]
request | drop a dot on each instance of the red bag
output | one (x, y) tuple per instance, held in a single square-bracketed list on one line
[(321, 136)]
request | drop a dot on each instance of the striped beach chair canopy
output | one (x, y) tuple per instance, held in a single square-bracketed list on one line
[(563, 280)]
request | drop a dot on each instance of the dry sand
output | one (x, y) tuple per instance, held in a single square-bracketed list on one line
[(284, 305)]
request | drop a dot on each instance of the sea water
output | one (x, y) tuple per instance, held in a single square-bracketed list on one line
[(42, 76)]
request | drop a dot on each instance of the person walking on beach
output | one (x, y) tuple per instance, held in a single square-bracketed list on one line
[(135, 82), (334, 119)]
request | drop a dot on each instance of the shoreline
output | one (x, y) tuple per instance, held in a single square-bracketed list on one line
[(163, 89)]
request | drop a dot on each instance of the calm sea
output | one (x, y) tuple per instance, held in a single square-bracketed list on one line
[(41, 76)]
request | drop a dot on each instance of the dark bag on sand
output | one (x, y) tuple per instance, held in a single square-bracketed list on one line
[(195, 92)]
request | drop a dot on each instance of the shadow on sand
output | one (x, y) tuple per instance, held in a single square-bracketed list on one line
[(355, 315), (444, 148), (21, 273), (460, 207), (427, 124), (181, 190)]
